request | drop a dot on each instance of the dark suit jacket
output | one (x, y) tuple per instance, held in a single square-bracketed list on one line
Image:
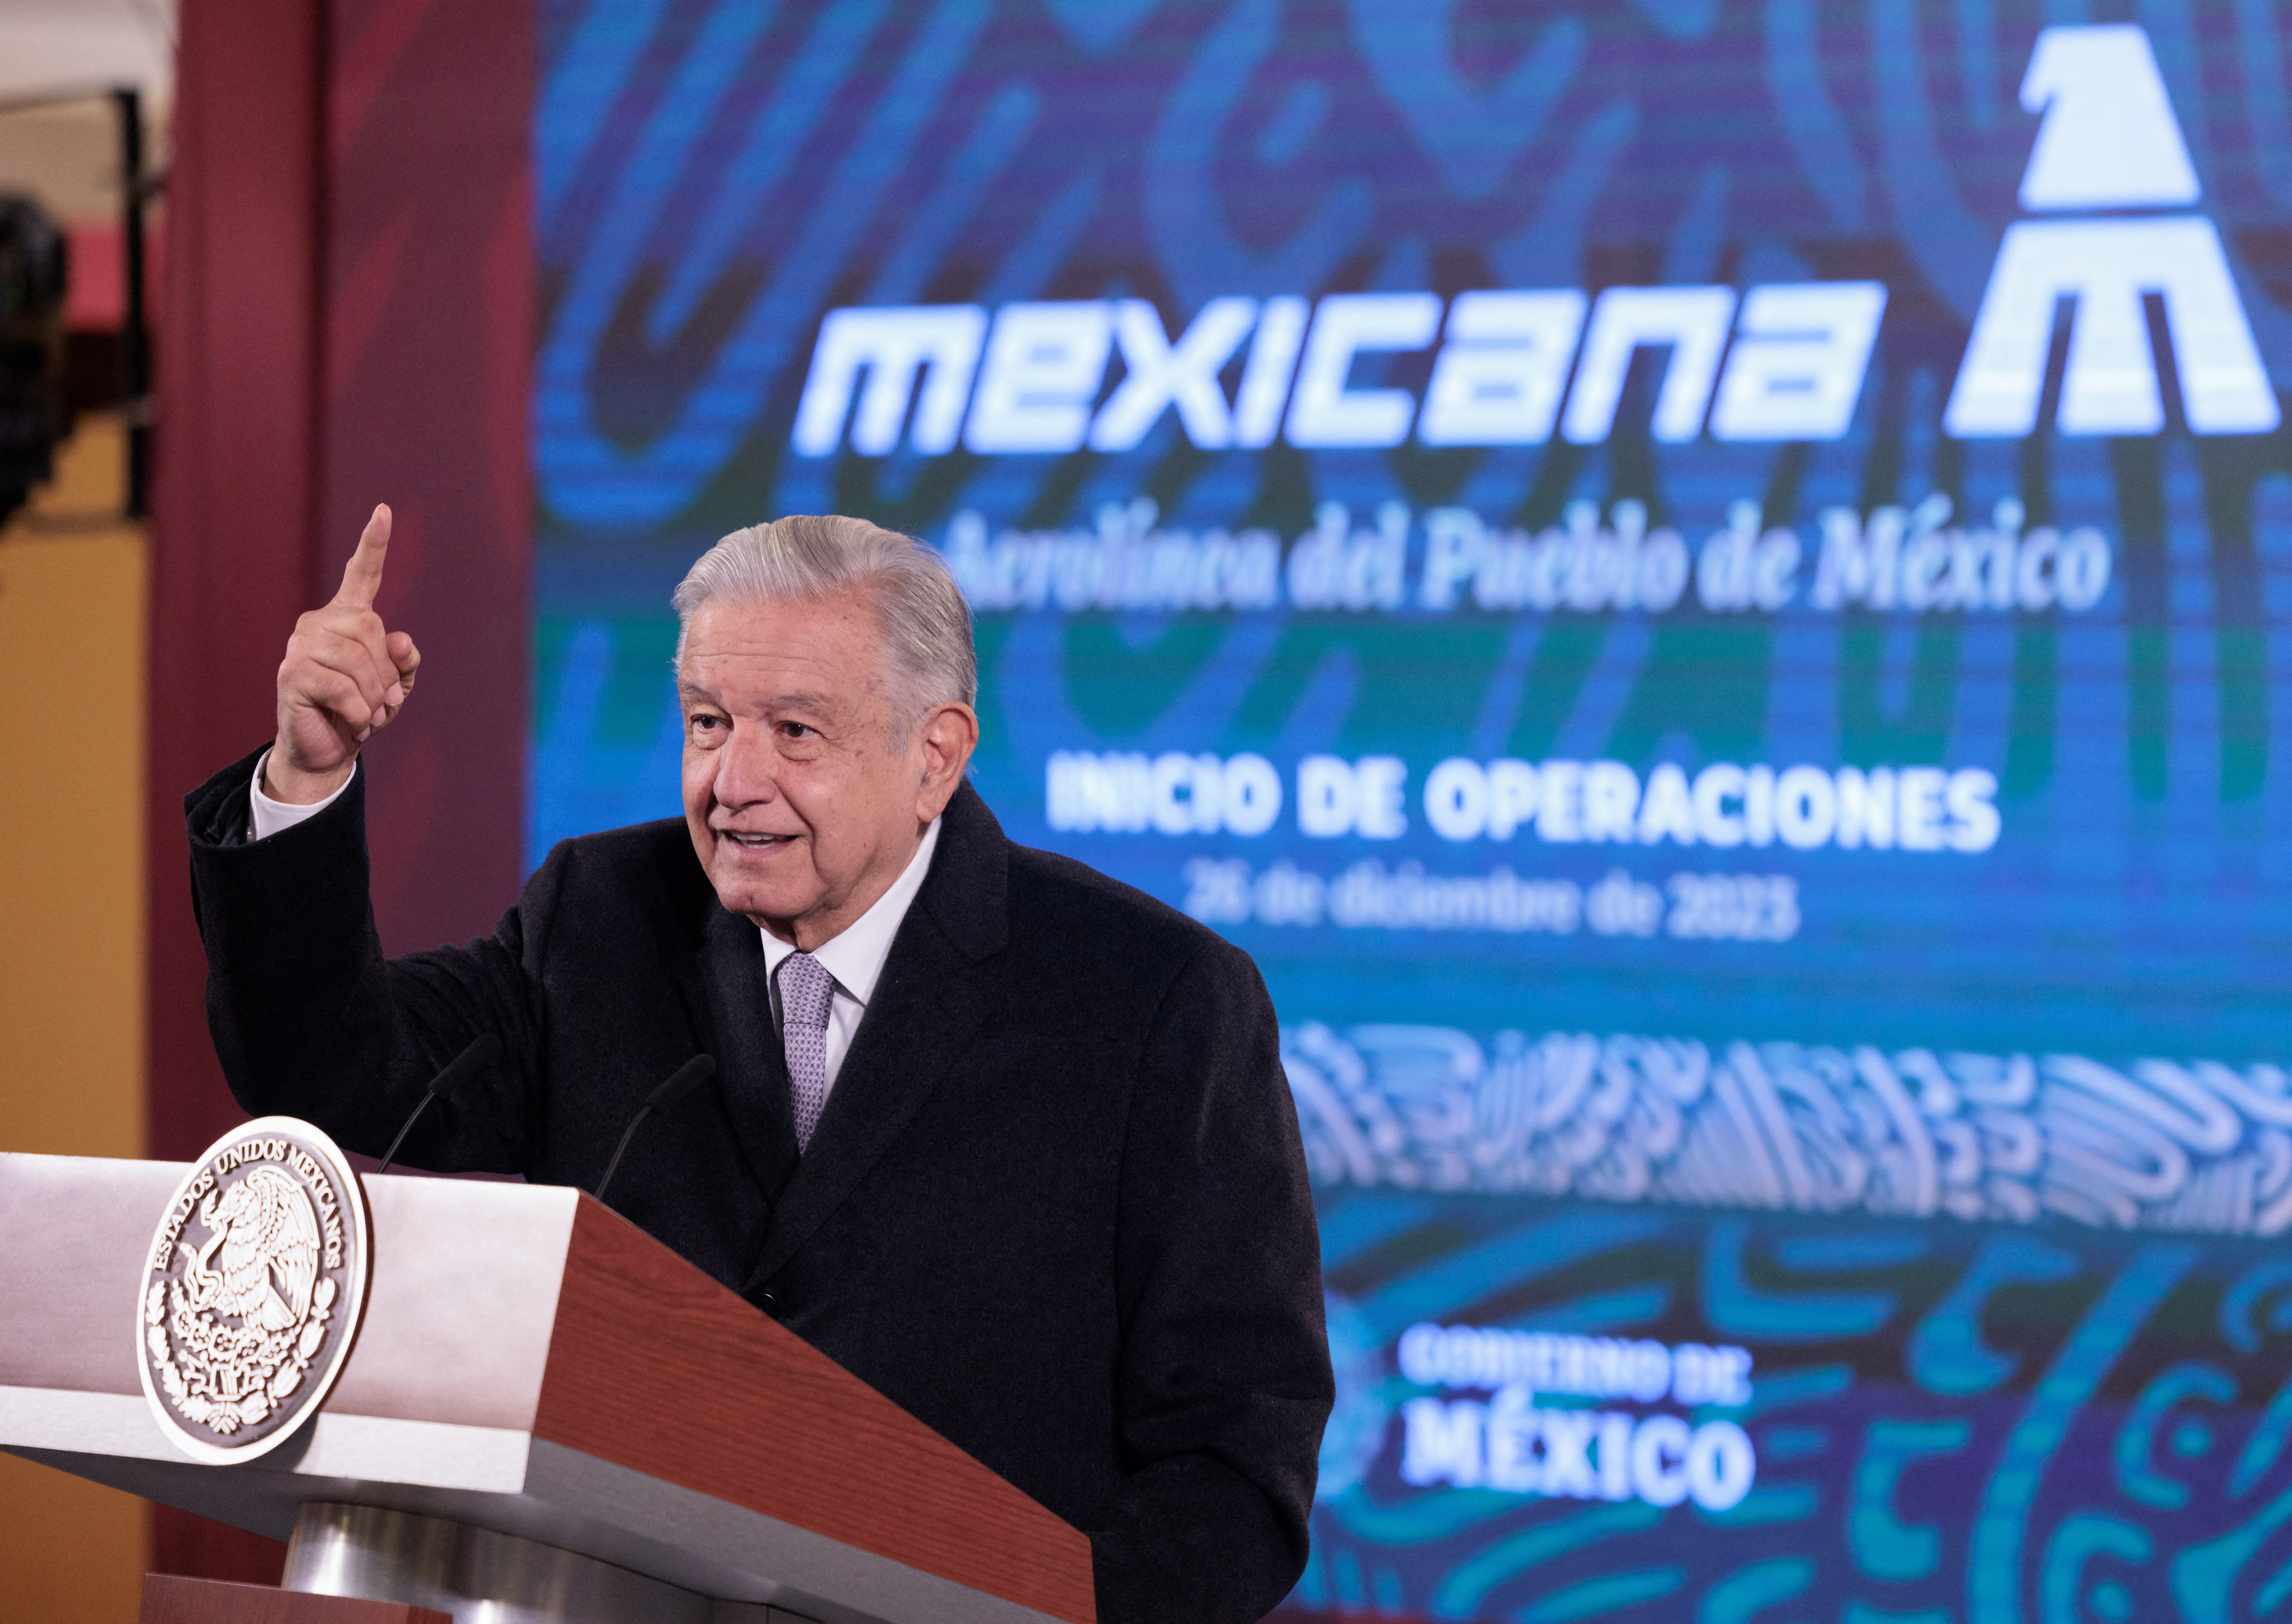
[(1056, 1206)]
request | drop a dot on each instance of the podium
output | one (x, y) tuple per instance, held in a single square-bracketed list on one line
[(546, 1416)]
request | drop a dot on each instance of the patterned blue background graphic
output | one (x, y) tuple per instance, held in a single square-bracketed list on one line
[(1949, 1423), (1705, 584)]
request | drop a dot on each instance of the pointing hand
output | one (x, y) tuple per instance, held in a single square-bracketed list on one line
[(344, 678)]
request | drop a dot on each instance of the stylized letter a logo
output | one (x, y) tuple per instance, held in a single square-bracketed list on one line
[(2109, 140)]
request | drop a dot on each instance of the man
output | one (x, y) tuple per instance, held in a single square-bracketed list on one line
[(1006, 1139)]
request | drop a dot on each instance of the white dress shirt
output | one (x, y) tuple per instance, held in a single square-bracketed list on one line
[(854, 958)]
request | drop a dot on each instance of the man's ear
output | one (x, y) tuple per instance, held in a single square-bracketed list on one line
[(948, 735)]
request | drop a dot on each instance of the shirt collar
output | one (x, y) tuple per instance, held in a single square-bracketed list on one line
[(855, 955)]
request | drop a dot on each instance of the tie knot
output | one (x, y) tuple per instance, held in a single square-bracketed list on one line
[(806, 990)]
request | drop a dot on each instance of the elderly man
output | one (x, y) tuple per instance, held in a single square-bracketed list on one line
[(1006, 1139)]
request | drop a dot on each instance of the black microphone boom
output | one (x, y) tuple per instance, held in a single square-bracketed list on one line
[(458, 1070), (680, 1082)]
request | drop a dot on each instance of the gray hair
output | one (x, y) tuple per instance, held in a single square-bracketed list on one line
[(925, 623)]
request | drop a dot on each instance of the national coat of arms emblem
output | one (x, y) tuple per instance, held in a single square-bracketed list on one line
[(252, 1288)]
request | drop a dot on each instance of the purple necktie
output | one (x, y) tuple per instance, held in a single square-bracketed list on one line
[(807, 991)]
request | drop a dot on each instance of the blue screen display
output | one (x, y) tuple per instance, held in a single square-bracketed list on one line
[(1709, 591)]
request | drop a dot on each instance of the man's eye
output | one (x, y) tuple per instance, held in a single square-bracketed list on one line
[(702, 721), (797, 730)]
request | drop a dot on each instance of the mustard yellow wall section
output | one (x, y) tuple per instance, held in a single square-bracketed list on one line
[(73, 595)]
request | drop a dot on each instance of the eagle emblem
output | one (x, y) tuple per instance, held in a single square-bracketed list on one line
[(268, 1237), (255, 1280)]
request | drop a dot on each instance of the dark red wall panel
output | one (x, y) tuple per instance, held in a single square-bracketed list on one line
[(233, 554), (346, 320), (236, 448), (427, 361)]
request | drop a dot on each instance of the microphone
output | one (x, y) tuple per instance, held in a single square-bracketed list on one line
[(458, 1070), (680, 1082)]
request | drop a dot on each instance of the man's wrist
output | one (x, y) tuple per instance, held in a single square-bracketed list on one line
[(267, 815), (289, 785)]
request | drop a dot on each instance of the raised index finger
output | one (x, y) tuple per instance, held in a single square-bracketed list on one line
[(362, 577)]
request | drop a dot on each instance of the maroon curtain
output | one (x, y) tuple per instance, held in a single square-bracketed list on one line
[(425, 386), (346, 319)]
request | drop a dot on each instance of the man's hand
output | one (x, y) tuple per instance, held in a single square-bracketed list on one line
[(343, 678)]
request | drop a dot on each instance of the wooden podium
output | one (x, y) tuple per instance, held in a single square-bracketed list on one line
[(546, 1416)]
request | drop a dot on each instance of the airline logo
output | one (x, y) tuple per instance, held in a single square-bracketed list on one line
[(1782, 361), (1793, 370), (2109, 140)]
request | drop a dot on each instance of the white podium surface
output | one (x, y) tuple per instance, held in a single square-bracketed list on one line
[(501, 1320)]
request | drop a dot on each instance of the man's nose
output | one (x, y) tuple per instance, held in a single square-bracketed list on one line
[(747, 768)]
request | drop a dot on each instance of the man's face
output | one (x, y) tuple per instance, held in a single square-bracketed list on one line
[(802, 801)]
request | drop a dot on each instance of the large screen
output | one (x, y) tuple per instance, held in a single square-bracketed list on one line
[(1708, 589)]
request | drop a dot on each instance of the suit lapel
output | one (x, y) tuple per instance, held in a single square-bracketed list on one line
[(928, 1004), (751, 1074)]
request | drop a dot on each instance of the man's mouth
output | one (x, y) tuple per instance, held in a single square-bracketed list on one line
[(755, 842)]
